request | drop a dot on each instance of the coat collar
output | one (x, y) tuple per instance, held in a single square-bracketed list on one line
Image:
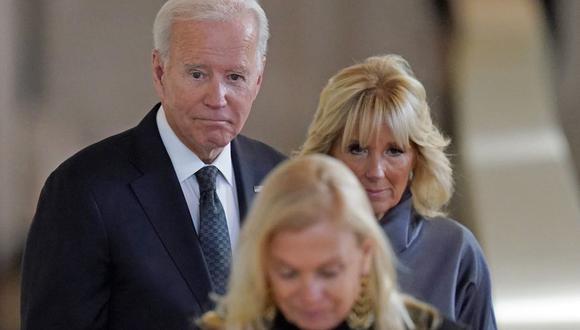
[(245, 164), (401, 223)]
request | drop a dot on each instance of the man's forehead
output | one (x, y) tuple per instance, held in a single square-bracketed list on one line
[(213, 37), (243, 27)]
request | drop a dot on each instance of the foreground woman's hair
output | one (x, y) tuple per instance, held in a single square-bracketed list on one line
[(296, 195)]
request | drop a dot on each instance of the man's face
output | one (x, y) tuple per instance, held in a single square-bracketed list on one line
[(209, 81)]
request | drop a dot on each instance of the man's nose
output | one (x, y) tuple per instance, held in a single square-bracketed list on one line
[(215, 97)]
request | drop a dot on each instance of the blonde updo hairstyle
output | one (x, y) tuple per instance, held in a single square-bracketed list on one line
[(383, 89)]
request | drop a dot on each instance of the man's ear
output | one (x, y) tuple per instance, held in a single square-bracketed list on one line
[(260, 75), (157, 70)]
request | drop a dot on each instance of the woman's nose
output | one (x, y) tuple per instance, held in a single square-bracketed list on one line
[(311, 291), (375, 167), (215, 96)]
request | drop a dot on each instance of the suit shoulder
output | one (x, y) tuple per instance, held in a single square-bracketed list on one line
[(101, 157), (255, 147)]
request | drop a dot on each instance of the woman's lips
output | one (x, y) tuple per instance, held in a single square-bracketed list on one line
[(376, 193)]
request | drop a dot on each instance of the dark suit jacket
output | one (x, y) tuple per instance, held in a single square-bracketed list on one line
[(112, 244)]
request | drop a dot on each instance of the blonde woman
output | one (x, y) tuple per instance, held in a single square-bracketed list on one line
[(374, 117), (312, 256)]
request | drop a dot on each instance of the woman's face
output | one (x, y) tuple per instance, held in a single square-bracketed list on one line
[(382, 167), (314, 274)]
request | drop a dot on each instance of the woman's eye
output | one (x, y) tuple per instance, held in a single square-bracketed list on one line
[(356, 149), (328, 273), (287, 273), (394, 151)]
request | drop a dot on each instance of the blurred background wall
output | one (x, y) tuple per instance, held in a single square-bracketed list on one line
[(501, 78)]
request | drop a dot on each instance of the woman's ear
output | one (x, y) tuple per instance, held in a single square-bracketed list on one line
[(414, 161)]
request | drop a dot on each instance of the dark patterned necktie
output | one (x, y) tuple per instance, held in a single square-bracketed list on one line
[(213, 229)]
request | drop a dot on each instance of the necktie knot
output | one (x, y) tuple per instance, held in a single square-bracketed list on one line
[(206, 177)]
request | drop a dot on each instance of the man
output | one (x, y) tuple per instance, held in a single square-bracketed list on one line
[(118, 238)]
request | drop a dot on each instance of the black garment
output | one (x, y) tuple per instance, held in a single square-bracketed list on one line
[(112, 244), (441, 263), (280, 323)]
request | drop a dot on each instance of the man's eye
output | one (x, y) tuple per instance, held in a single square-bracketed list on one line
[(236, 77), (356, 149), (197, 74)]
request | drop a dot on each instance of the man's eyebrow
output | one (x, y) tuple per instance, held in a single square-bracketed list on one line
[(194, 66), (240, 69)]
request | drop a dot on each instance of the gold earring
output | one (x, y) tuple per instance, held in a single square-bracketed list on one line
[(270, 308), (270, 313), (361, 315)]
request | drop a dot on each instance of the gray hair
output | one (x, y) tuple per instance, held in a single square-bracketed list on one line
[(207, 10)]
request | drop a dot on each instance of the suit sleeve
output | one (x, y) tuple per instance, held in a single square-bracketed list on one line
[(65, 279)]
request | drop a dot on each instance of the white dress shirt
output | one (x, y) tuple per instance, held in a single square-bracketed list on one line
[(186, 164)]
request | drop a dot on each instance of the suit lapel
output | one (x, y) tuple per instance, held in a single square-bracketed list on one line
[(245, 176), (161, 197)]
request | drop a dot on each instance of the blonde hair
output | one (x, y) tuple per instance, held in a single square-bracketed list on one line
[(294, 196), (383, 89)]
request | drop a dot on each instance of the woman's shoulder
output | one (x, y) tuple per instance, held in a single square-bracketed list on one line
[(455, 238), (448, 231)]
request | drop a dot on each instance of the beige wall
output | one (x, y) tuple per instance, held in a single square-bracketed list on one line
[(567, 75), (311, 40), (6, 121)]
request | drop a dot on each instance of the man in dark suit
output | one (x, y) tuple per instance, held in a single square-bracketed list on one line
[(115, 242)]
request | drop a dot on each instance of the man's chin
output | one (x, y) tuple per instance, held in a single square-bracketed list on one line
[(219, 140)]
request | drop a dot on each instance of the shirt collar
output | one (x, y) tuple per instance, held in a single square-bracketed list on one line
[(186, 162)]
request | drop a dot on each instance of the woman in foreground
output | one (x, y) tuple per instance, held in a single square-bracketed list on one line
[(312, 256)]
